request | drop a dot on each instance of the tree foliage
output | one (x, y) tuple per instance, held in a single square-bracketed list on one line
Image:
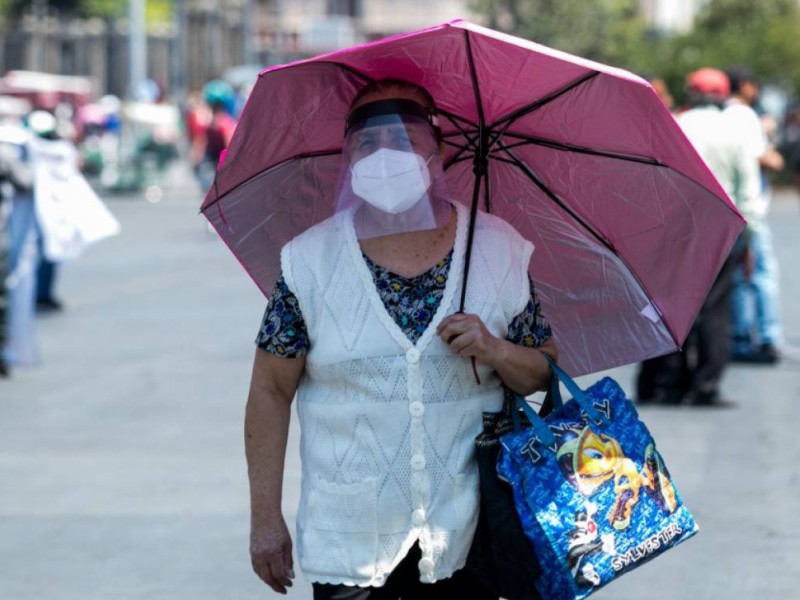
[(596, 29), (156, 10), (761, 35)]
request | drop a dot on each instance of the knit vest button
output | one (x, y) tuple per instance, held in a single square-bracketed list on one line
[(426, 566), (412, 356), (416, 408), (418, 462)]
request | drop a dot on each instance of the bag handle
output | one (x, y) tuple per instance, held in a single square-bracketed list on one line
[(577, 393), (537, 423)]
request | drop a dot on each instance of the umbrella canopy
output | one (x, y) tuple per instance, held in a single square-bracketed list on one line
[(630, 226)]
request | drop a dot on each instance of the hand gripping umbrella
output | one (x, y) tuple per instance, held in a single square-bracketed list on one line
[(630, 226)]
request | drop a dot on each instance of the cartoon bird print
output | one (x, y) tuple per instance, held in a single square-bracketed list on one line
[(589, 460)]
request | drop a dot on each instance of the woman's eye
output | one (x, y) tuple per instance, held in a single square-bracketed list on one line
[(403, 142)]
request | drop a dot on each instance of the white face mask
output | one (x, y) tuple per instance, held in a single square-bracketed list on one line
[(391, 180)]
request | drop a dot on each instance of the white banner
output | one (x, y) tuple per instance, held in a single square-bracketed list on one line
[(69, 212)]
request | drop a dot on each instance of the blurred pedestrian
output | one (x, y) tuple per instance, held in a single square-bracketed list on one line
[(208, 147), (44, 126), (755, 310), (4, 259), (662, 90), (792, 144), (69, 214), (16, 187), (693, 375), (196, 117)]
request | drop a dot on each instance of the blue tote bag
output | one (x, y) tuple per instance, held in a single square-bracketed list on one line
[(592, 492)]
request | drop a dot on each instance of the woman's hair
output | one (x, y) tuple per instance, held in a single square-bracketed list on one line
[(392, 86)]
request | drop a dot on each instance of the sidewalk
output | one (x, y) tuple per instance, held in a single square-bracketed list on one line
[(122, 472)]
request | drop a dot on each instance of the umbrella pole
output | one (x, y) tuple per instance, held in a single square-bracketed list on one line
[(480, 168)]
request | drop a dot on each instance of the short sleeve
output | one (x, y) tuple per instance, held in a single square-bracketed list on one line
[(283, 330), (530, 328)]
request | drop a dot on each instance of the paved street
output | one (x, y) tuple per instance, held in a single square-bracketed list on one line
[(122, 472)]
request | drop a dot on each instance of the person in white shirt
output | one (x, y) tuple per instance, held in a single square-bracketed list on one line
[(363, 326), (755, 312), (693, 376)]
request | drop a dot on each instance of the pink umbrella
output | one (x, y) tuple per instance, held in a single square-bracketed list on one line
[(630, 226)]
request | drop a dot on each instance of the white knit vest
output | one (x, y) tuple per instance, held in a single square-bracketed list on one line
[(387, 426)]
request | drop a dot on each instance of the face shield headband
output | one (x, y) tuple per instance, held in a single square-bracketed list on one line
[(392, 107)]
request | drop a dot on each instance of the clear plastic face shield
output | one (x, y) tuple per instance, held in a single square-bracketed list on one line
[(391, 180)]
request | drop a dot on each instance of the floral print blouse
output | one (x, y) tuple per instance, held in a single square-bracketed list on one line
[(411, 302)]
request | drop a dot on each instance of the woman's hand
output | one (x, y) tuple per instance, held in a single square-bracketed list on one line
[(467, 336), (522, 369), (271, 554)]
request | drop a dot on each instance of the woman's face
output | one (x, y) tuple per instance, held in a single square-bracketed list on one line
[(404, 136)]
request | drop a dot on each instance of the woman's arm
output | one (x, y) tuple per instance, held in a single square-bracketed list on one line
[(272, 389), (522, 369)]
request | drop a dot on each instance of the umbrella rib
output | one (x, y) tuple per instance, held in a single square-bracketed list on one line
[(454, 117), (463, 133), (459, 156), (508, 120), (526, 170), (455, 161), (303, 156), (454, 145), (342, 66), (470, 140), (473, 73), (539, 141)]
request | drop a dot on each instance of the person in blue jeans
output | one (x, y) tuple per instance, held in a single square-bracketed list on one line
[(45, 279), (756, 320), (18, 222), (4, 256), (755, 311)]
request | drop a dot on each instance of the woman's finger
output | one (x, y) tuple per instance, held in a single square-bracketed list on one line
[(279, 576), (456, 328), (454, 318), (460, 342), (261, 567), (275, 569), (288, 564)]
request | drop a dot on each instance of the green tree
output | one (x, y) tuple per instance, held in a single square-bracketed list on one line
[(157, 10), (611, 31), (762, 36)]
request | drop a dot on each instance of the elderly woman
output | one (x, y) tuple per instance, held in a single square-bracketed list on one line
[(363, 327)]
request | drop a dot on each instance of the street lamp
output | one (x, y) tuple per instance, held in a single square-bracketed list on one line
[(137, 44)]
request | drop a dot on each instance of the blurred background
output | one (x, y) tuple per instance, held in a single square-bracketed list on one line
[(85, 56), (124, 378)]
